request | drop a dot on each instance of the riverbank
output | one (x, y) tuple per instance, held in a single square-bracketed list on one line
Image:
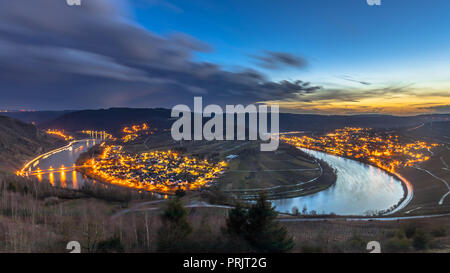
[(360, 189), (406, 185), (430, 192), (285, 173), (276, 169)]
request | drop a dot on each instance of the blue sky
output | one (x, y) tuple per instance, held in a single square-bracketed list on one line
[(308, 56), (399, 44), (335, 37)]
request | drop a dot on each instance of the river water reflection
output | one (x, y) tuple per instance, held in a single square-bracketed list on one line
[(67, 177), (359, 189)]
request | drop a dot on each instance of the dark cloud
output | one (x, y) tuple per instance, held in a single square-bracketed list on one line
[(442, 109), (354, 94), (57, 56), (278, 60)]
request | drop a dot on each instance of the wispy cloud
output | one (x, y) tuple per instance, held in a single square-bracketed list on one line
[(445, 109), (278, 60), (401, 99), (351, 79)]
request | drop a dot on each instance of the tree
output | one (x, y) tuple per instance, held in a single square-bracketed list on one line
[(264, 232), (304, 210), (175, 228), (398, 244), (410, 231), (259, 227), (179, 193), (112, 245), (237, 221), (420, 240)]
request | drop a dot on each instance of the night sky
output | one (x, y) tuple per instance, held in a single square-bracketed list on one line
[(321, 56)]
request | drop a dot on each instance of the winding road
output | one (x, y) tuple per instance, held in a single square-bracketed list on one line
[(441, 201), (138, 207)]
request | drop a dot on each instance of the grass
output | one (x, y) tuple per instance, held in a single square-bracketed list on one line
[(255, 169), (428, 190), (282, 173)]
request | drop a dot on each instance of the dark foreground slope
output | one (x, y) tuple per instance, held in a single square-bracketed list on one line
[(20, 141)]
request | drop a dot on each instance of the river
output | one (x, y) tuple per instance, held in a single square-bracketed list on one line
[(63, 157), (359, 190)]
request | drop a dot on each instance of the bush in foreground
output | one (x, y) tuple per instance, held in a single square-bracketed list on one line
[(112, 245)]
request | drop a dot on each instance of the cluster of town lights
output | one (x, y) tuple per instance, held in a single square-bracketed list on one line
[(383, 150), (98, 134), (160, 171), (133, 132), (167, 171), (59, 133)]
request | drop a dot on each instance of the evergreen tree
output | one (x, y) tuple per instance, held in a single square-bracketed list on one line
[(175, 229), (264, 232), (237, 221), (179, 193), (420, 240), (112, 245), (259, 227)]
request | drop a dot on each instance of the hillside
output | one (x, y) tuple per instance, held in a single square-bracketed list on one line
[(19, 141), (436, 131), (113, 119), (289, 122), (38, 117)]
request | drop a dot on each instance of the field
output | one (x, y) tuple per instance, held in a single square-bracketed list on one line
[(286, 172), (430, 181)]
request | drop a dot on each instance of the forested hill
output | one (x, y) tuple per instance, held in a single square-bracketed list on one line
[(20, 141), (113, 119)]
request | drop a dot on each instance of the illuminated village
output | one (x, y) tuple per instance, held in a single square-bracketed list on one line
[(98, 134), (161, 171), (92, 134), (59, 133), (167, 171), (380, 149), (133, 132)]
